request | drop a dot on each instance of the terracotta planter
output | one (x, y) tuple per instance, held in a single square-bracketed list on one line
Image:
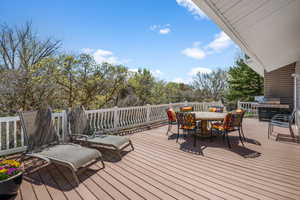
[(10, 187)]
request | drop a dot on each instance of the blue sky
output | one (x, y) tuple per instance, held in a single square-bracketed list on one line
[(172, 38)]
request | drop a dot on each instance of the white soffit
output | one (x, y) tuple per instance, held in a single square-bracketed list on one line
[(267, 30)]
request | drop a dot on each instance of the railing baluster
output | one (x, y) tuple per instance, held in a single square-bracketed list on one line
[(15, 133), (7, 135)]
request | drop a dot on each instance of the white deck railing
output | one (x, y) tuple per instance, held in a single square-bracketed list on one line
[(250, 107), (12, 139)]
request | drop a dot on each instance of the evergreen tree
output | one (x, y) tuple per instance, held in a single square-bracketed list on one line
[(244, 83)]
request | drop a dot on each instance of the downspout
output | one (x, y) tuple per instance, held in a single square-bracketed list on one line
[(296, 106)]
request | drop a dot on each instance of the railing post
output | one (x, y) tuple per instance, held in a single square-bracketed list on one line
[(185, 103), (170, 105), (116, 118), (65, 127), (238, 104), (148, 113)]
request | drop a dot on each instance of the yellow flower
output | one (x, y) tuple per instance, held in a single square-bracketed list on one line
[(3, 170), (12, 163)]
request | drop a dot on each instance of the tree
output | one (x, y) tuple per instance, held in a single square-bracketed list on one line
[(244, 83), (211, 86), (21, 72), (142, 83), (20, 48)]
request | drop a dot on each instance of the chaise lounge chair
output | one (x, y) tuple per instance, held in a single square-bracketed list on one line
[(80, 131), (43, 143)]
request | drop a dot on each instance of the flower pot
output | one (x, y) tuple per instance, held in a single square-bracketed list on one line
[(10, 186)]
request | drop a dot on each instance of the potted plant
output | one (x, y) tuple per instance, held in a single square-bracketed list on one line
[(11, 174)]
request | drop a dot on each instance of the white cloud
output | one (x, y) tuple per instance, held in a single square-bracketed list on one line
[(87, 50), (189, 76), (101, 55), (181, 80), (194, 52), (220, 42), (153, 27), (135, 70), (197, 70), (164, 31), (191, 7), (161, 29), (156, 73)]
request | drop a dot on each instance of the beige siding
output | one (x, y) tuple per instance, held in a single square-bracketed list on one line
[(280, 84)]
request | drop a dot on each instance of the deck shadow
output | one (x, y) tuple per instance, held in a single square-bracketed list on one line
[(60, 177), (287, 138), (217, 142), (110, 155)]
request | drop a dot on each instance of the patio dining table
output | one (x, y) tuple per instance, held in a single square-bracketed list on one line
[(204, 117)]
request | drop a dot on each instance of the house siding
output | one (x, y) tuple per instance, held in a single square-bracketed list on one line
[(279, 84)]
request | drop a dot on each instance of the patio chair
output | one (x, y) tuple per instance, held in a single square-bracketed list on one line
[(282, 120), (179, 118), (171, 119), (80, 131), (187, 109), (216, 109), (238, 123), (190, 124), (227, 126), (43, 143)]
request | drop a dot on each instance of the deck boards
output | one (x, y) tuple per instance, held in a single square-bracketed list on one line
[(160, 168)]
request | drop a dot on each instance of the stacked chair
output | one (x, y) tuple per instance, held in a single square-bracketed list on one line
[(81, 132), (43, 143)]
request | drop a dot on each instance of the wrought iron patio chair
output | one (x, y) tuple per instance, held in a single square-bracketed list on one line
[(228, 125), (282, 120), (179, 118), (191, 125), (80, 131), (43, 143), (171, 119), (238, 124)]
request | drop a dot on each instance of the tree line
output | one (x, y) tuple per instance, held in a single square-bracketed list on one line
[(34, 72)]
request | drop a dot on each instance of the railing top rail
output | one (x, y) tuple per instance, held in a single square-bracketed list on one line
[(4, 119), (248, 102)]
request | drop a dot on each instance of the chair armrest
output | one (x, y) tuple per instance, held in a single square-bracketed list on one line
[(36, 155)]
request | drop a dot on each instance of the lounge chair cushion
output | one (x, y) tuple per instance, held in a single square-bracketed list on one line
[(74, 154), (117, 141)]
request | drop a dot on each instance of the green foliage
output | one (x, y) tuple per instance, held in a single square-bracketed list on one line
[(34, 74), (244, 83)]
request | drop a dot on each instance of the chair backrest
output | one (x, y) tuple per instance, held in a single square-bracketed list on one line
[(38, 129), (179, 118), (187, 109), (228, 121), (189, 120), (216, 109), (78, 121), (171, 115)]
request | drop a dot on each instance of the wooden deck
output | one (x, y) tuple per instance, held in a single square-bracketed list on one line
[(160, 168)]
